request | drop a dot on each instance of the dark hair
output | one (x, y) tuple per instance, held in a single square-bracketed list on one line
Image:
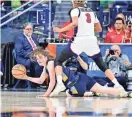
[(118, 18)]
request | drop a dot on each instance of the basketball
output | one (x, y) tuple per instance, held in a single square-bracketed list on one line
[(19, 71)]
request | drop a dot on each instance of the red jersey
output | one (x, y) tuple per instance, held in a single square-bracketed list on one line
[(128, 35), (67, 35), (114, 37)]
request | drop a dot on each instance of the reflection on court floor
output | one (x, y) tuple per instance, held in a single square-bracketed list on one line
[(26, 104)]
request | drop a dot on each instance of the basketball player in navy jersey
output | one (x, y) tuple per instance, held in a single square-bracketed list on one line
[(76, 82), (86, 23)]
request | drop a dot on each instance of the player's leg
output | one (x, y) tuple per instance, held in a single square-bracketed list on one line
[(65, 54), (109, 90), (93, 86), (102, 65)]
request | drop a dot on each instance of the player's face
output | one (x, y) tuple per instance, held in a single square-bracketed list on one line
[(41, 59), (118, 24), (28, 30)]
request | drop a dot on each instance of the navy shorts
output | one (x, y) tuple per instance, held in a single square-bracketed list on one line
[(83, 83)]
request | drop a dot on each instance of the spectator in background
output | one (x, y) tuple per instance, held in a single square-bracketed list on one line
[(128, 33), (120, 15), (119, 64), (25, 43), (15, 3), (117, 34), (66, 35), (6, 4), (2, 6), (61, 17), (126, 28)]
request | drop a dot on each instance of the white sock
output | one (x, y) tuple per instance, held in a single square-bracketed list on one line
[(59, 79), (115, 82)]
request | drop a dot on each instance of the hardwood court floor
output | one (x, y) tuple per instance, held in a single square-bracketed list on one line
[(25, 104)]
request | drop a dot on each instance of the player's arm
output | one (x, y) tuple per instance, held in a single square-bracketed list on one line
[(97, 27), (72, 25), (51, 70), (40, 79), (83, 64), (74, 16)]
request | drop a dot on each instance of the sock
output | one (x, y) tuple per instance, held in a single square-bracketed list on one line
[(115, 82), (59, 79)]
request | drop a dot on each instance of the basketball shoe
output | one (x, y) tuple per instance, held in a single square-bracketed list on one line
[(59, 87)]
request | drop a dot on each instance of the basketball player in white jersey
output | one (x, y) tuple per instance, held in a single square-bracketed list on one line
[(87, 23)]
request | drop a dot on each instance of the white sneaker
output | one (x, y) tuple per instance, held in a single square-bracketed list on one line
[(59, 87), (88, 94), (123, 94)]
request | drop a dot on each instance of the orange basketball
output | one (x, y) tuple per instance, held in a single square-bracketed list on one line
[(19, 71)]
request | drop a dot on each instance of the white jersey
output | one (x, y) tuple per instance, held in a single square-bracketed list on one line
[(86, 21), (85, 40)]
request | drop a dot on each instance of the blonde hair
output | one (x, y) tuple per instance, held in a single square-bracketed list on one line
[(40, 51), (121, 15)]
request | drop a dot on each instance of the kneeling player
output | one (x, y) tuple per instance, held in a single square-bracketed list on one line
[(77, 83)]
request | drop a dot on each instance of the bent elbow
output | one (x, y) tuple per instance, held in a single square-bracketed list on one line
[(74, 24), (100, 30), (98, 27)]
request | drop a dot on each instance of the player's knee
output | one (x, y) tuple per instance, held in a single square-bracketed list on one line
[(103, 66), (58, 62)]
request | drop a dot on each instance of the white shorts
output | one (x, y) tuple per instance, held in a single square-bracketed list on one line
[(88, 44)]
